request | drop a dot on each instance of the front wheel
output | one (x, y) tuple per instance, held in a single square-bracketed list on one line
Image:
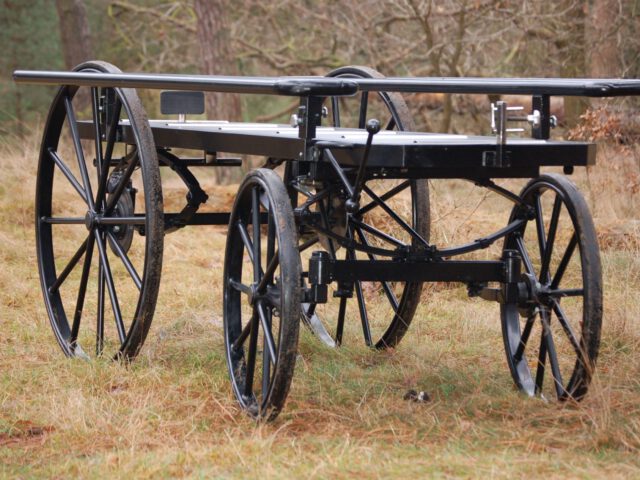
[(552, 339), (262, 294)]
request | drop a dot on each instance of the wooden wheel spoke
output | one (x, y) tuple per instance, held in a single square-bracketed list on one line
[(244, 334), (374, 231), (271, 240), (108, 154), (362, 307), (550, 239), (113, 297), (567, 292), (122, 184), (564, 262), (267, 358), (525, 256), (404, 225), (251, 357), (75, 135), (552, 354), (524, 338), (112, 130), (70, 266), (384, 197), (255, 223), (239, 286), (342, 310), (266, 331), (63, 220), (95, 110), (564, 322), (542, 239), (267, 277), (125, 261), (391, 124), (542, 359), (244, 235), (269, 349), (266, 371), (364, 317), (68, 175), (273, 257), (393, 300), (385, 285), (100, 312), (82, 290)]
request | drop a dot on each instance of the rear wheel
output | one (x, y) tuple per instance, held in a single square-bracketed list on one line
[(100, 279), (385, 309)]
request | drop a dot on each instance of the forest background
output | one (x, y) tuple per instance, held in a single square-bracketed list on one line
[(456, 38)]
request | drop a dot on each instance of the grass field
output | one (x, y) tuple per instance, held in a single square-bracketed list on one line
[(171, 413)]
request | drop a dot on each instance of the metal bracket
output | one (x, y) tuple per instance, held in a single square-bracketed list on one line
[(540, 119), (309, 117), (195, 196)]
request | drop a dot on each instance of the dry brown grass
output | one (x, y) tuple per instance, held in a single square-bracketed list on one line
[(171, 413)]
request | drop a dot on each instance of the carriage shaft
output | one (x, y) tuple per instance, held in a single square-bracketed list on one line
[(323, 86)]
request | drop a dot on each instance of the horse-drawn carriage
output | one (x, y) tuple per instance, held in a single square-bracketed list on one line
[(347, 215)]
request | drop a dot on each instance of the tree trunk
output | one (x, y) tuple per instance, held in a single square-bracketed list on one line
[(76, 40), (215, 59), (604, 58), (575, 51), (74, 32), (215, 55)]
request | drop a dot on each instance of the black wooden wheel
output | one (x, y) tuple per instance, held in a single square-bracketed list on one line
[(262, 294), (552, 339), (385, 309), (99, 278)]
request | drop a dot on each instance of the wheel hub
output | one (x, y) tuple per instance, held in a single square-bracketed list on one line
[(90, 220), (533, 294)]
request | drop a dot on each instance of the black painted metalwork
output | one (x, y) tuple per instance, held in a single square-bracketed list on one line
[(323, 86), (466, 271)]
